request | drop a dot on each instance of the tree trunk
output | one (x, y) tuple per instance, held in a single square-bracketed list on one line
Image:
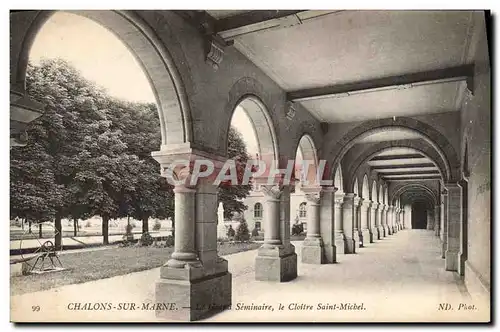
[(75, 227), (29, 226), (58, 231), (173, 228), (22, 223), (40, 230), (145, 225), (105, 230)]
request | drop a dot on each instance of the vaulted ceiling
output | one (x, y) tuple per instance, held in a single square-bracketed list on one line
[(355, 65)]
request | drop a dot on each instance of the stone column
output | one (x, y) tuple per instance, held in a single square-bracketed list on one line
[(437, 219), (454, 226), (195, 278), (373, 222), (348, 223), (378, 221), (403, 220), (396, 218), (312, 247), (358, 241), (430, 219), (327, 223), (392, 219), (444, 223), (389, 220), (276, 261), (383, 220), (364, 227), (340, 240)]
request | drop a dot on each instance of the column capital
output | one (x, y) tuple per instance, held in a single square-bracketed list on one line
[(366, 203), (349, 199), (451, 185), (338, 199), (357, 201), (313, 197), (178, 161), (272, 191)]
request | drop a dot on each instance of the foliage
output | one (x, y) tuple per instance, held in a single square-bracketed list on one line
[(297, 229), (231, 194), (146, 239), (242, 233), (90, 154), (230, 232), (255, 232), (169, 241), (157, 225)]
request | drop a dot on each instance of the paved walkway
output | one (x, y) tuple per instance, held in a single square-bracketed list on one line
[(400, 278)]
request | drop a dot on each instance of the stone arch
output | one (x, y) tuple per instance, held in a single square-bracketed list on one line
[(421, 146), (355, 188), (309, 153), (427, 132), (407, 186), (249, 94), (152, 55), (380, 194), (374, 196), (365, 191), (338, 180)]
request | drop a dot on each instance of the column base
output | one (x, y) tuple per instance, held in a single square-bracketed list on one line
[(365, 236), (451, 260), (192, 299), (350, 245), (381, 232), (276, 264), (461, 263), (394, 229), (389, 230), (358, 240), (443, 249), (373, 235), (330, 253), (340, 243), (312, 251), (385, 231)]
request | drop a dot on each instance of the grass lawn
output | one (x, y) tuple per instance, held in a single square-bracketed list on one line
[(99, 264)]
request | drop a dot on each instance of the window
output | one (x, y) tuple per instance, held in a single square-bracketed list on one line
[(302, 210), (257, 210)]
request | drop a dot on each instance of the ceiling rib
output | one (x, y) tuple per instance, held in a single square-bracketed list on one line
[(380, 168), (419, 178), (398, 156), (260, 20), (386, 174), (400, 82)]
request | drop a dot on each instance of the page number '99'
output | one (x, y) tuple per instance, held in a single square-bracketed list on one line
[(35, 308)]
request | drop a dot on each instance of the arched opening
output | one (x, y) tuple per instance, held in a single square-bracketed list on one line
[(404, 125), (419, 215), (365, 191), (95, 114), (306, 161), (250, 116), (151, 54), (374, 196), (338, 181)]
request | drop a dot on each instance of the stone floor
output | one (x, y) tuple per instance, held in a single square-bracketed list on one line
[(400, 278)]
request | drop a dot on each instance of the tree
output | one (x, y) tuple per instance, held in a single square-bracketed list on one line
[(242, 233), (229, 194)]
